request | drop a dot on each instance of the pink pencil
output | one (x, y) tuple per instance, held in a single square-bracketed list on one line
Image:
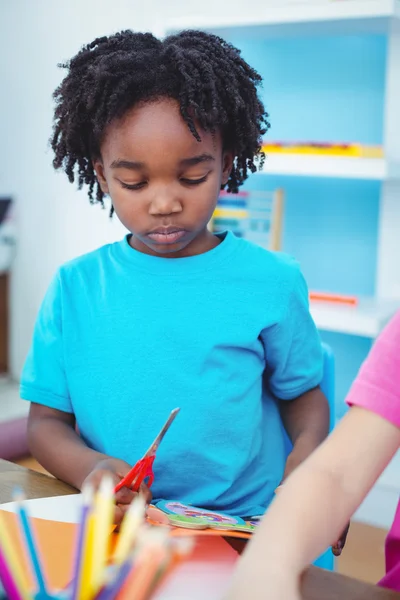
[(7, 580)]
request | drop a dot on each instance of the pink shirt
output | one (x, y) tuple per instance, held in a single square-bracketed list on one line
[(377, 388)]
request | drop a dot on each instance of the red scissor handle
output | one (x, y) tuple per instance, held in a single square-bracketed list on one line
[(142, 471)]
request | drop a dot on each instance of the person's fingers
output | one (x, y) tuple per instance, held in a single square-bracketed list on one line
[(337, 549), (343, 537), (339, 545), (119, 513), (124, 508), (123, 499), (124, 496), (146, 492)]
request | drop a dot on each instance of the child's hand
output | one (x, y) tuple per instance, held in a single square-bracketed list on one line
[(339, 545), (117, 469)]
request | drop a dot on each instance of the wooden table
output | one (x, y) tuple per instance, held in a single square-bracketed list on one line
[(317, 584)]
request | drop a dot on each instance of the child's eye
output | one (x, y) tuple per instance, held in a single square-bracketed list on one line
[(133, 186), (194, 181)]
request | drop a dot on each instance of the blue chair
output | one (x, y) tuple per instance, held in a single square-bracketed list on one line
[(326, 560)]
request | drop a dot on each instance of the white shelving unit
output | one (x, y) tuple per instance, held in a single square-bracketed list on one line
[(366, 319), (270, 18), (288, 18), (307, 165)]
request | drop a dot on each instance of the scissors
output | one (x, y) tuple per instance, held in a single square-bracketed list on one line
[(144, 467)]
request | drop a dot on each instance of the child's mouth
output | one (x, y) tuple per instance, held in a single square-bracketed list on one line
[(166, 235)]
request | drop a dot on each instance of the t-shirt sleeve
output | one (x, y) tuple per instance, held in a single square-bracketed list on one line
[(43, 378), (293, 347), (377, 385)]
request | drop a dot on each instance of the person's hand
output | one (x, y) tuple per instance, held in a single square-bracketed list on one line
[(116, 469), (339, 545)]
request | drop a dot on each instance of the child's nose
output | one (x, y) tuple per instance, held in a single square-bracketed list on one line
[(164, 203)]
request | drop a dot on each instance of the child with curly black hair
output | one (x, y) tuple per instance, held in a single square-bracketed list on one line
[(172, 315)]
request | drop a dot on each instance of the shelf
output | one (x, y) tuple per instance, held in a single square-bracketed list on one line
[(367, 319), (331, 166), (298, 18)]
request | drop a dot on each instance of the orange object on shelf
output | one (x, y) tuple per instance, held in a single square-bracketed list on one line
[(333, 298)]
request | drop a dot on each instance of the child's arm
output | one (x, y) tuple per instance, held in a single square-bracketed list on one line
[(314, 505), (306, 420), (56, 445), (294, 370)]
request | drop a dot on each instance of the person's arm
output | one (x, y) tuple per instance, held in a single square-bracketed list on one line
[(314, 505), (294, 371), (51, 425), (306, 420), (54, 442)]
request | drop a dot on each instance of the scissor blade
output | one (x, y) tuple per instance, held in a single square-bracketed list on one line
[(159, 438)]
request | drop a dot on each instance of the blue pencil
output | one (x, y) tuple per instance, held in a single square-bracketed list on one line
[(111, 589), (31, 546)]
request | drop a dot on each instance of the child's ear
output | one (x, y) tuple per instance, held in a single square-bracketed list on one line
[(227, 162), (99, 168)]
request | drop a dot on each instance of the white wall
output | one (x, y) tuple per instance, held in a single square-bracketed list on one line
[(54, 221)]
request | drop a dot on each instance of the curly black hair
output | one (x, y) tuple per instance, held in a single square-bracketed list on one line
[(214, 86)]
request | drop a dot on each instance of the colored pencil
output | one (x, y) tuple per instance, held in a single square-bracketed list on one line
[(129, 529), (10, 554), (112, 588), (152, 552), (6, 577), (32, 549), (103, 520), (87, 558), (142, 557), (87, 500)]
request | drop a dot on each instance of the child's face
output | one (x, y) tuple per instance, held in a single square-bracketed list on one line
[(163, 183)]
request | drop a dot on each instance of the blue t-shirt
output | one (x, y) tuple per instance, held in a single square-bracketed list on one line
[(123, 337)]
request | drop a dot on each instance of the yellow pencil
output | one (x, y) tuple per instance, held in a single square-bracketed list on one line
[(103, 520), (87, 560), (129, 529), (13, 562), (83, 532)]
